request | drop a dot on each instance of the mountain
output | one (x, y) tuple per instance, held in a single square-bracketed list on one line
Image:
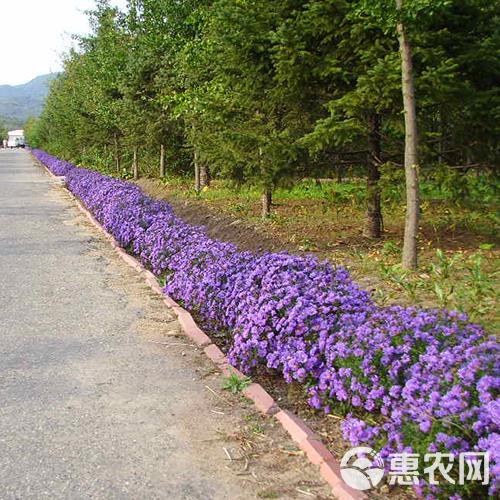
[(19, 102)]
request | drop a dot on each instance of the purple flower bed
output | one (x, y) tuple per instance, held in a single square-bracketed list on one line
[(409, 379), (57, 166)]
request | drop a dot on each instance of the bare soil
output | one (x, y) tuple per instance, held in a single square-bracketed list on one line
[(219, 225)]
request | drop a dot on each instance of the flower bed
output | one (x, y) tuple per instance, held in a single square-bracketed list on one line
[(409, 379), (57, 166)]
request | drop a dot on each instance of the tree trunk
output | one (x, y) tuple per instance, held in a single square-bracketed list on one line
[(373, 222), (267, 194), (267, 199), (197, 176), (204, 175), (162, 161), (118, 160), (135, 165), (340, 173), (441, 137), (410, 243)]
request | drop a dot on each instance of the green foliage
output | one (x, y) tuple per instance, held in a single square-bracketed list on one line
[(269, 93), (236, 384), (457, 281), (3, 131), (31, 132)]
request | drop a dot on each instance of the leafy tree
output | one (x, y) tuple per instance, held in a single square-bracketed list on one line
[(351, 66), (30, 132), (3, 131), (242, 121)]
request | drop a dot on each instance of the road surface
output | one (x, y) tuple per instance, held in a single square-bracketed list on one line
[(98, 397)]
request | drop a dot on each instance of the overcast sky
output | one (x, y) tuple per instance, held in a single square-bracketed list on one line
[(34, 33)]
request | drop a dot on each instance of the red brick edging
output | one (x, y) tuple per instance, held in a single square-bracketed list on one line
[(306, 439)]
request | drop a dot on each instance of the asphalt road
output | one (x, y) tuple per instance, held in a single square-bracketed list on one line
[(98, 399)]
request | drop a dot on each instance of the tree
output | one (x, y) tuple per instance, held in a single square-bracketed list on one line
[(243, 123), (356, 88), (410, 243), (3, 131), (30, 132)]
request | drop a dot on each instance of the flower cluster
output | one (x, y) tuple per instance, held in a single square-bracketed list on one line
[(410, 379)]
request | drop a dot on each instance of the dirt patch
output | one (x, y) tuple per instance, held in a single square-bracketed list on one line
[(218, 225), (310, 226)]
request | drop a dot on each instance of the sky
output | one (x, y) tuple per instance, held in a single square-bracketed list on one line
[(34, 34)]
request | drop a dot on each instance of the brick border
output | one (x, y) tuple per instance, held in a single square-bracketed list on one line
[(299, 432)]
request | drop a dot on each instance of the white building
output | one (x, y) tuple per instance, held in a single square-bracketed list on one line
[(15, 138)]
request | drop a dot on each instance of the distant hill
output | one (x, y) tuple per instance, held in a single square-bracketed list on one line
[(19, 102)]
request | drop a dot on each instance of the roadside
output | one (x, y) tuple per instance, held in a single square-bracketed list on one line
[(101, 397)]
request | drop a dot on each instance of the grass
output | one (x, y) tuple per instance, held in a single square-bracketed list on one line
[(463, 280), (459, 263)]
